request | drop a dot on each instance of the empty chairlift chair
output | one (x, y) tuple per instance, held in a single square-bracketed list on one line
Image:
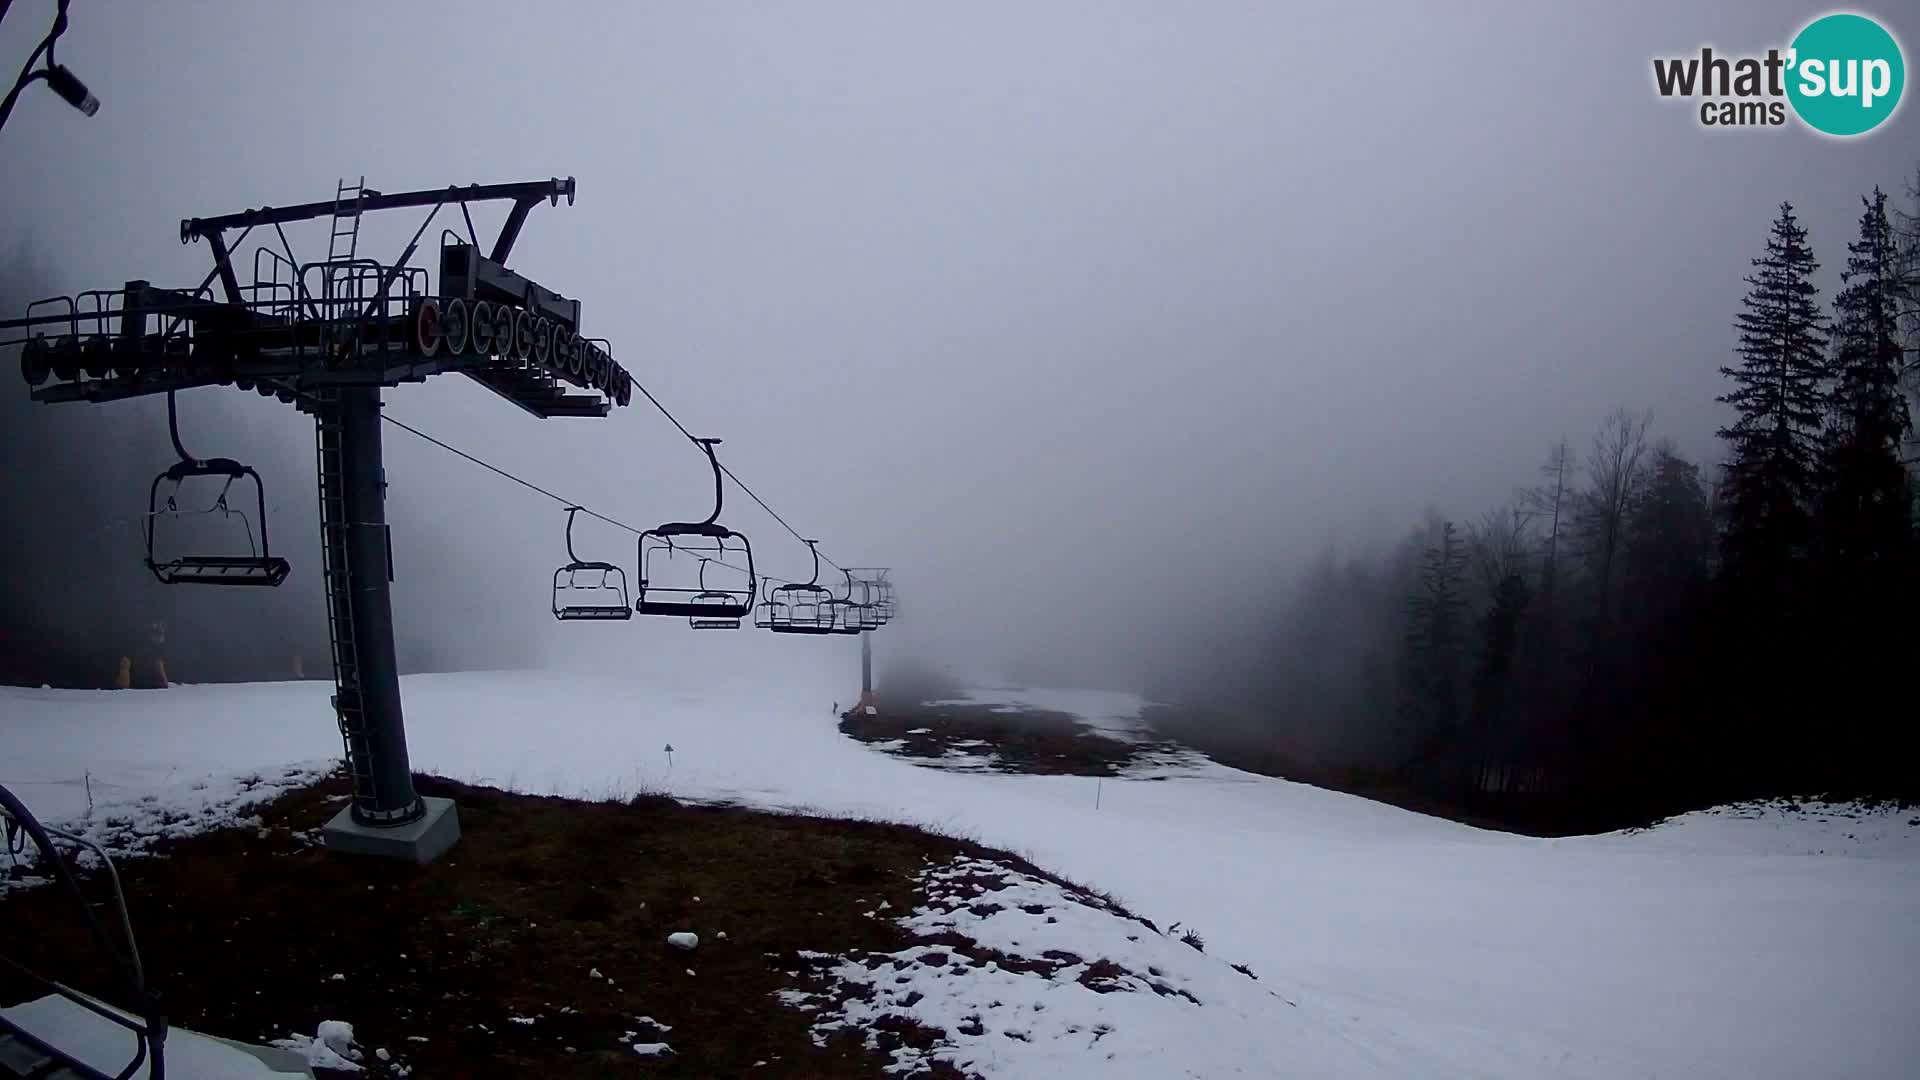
[(719, 604), (259, 566), (586, 591), (798, 608), (851, 613), (876, 592), (675, 560)]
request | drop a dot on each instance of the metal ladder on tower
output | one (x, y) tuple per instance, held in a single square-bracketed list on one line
[(347, 699), (343, 247), (344, 244)]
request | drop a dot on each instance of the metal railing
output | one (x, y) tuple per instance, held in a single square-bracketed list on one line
[(149, 1029)]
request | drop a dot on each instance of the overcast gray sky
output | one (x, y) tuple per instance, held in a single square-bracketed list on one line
[(1068, 311)]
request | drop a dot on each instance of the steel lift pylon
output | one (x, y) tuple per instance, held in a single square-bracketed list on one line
[(327, 337)]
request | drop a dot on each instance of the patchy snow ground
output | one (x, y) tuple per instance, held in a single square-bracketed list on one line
[(1019, 976), (126, 816), (1751, 942), (1108, 713)]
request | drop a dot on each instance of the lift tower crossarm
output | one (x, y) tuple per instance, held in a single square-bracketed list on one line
[(524, 195)]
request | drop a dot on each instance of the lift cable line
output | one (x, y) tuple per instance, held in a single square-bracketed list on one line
[(615, 522), (731, 476), (531, 486)]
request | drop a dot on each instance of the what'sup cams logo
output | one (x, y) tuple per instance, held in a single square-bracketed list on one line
[(1842, 75)]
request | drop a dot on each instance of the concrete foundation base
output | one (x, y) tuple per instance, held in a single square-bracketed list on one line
[(422, 841)]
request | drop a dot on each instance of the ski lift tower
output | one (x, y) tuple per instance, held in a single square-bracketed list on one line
[(327, 337), (876, 594)]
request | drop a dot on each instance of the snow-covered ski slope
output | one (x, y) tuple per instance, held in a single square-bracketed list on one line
[(1749, 943)]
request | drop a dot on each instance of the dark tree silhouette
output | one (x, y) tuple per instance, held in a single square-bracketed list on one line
[(1865, 516), (1772, 470), (1435, 643)]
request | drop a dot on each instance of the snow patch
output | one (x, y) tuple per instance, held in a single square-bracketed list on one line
[(1016, 975), (329, 1047), (127, 821)]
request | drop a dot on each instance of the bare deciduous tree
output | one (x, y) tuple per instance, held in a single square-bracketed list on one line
[(1550, 503), (1499, 544), (1615, 471)]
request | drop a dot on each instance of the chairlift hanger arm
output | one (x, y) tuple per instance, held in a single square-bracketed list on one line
[(719, 488), (173, 430), (572, 559)]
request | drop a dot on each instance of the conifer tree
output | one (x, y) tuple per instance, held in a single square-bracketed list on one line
[(1864, 514), (1771, 475), (1669, 535), (1865, 519)]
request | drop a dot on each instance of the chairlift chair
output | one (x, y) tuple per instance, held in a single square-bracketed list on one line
[(851, 616), (258, 567), (586, 591), (719, 603), (704, 605), (876, 591), (798, 608), (842, 619)]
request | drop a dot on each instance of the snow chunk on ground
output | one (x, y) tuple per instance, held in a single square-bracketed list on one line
[(337, 1034), (652, 1049), (683, 940), (330, 1046)]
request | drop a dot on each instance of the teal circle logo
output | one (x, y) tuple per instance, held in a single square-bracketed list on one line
[(1845, 74)]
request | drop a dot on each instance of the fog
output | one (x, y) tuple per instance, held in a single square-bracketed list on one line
[(1092, 320)]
